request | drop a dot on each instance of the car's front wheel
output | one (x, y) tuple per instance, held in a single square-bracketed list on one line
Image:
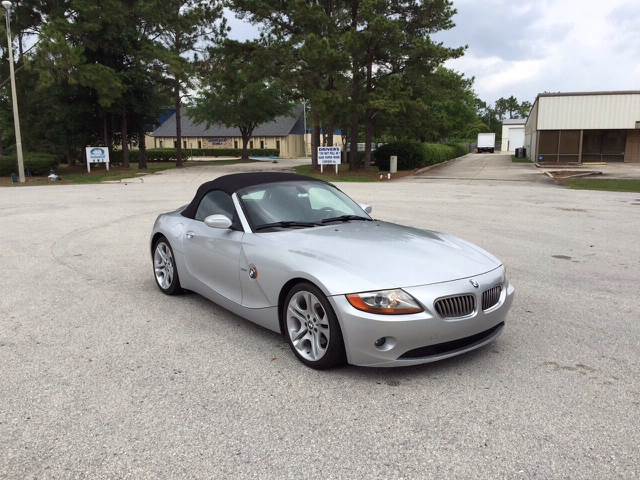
[(164, 268), (312, 329)]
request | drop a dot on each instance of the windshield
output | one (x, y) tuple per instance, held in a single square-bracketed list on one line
[(297, 204)]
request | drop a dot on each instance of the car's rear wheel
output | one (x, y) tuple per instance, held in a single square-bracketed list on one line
[(311, 328), (164, 268)]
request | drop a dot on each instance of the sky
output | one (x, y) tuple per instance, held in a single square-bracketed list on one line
[(524, 47)]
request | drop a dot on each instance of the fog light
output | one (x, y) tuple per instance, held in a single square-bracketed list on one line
[(385, 344)]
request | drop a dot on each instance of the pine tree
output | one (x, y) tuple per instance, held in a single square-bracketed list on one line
[(240, 88), (186, 28)]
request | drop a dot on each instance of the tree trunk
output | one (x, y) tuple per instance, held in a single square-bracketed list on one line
[(142, 147), (178, 105), (355, 92), (105, 130), (71, 158), (355, 118), (368, 139), (329, 135), (110, 131), (353, 141), (125, 140), (245, 145), (315, 139)]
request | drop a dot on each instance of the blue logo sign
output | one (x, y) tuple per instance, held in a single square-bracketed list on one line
[(97, 155)]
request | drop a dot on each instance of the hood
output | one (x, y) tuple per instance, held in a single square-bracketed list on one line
[(379, 255)]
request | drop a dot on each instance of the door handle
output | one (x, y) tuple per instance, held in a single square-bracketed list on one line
[(189, 235)]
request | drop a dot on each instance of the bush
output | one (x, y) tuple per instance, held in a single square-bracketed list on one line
[(460, 148), (169, 154), (34, 164), (412, 155)]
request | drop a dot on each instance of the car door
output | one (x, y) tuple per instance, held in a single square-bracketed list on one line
[(212, 255)]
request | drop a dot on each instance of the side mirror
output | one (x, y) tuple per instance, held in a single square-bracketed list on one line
[(366, 208), (218, 221)]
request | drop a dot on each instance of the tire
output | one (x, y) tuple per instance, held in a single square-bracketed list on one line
[(165, 271), (314, 333)]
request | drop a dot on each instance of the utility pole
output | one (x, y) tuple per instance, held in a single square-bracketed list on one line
[(14, 94)]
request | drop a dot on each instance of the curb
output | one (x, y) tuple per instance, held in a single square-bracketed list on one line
[(420, 171), (575, 175)]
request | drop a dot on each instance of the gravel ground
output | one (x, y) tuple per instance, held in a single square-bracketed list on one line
[(105, 377)]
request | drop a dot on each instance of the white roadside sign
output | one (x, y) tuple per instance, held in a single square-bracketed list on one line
[(329, 156), (97, 155)]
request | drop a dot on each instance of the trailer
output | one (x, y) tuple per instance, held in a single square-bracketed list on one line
[(486, 142)]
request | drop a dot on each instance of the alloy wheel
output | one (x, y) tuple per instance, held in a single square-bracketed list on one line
[(308, 325), (163, 265)]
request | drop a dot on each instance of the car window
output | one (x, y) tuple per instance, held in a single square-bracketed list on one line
[(321, 198), (216, 203), (308, 202), (257, 195)]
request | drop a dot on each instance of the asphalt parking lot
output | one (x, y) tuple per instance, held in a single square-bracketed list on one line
[(105, 377)]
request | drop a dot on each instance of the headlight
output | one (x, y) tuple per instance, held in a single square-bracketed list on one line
[(385, 302)]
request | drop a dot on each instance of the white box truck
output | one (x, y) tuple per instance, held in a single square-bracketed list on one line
[(486, 142)]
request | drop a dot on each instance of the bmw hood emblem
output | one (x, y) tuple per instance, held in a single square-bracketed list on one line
[(474, 283)]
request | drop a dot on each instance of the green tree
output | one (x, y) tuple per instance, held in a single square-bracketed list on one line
[(100, 67), (525, 108), (389, 39), (311, 35), (80, 57), (141, 72), (353, 53), (510, 107), (240, 88), (441, 107), (186, 28), (489, 116)]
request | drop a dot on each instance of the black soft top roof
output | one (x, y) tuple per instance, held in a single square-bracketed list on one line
[(237, 181)]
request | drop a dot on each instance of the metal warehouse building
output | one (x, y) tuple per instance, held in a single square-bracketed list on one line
[(584, 127), (512, 134)]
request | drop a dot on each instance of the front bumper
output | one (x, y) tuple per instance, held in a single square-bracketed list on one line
[(408, 335)]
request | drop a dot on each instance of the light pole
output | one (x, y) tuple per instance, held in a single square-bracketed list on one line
[(14, 94)]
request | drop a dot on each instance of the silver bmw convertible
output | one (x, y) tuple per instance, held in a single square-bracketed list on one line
[(298, 256)]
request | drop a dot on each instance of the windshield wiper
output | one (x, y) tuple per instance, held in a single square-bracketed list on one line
[(346, 218), (286, 224)]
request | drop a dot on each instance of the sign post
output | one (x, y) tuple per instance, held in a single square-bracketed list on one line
[(329, 156), (393, 164), (97, 155)]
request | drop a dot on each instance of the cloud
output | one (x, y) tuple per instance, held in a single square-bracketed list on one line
[(507, 29), (495, 75), (527, 47)]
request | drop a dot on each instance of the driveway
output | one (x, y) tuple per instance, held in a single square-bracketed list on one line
[(103, 376), (487, 167)]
